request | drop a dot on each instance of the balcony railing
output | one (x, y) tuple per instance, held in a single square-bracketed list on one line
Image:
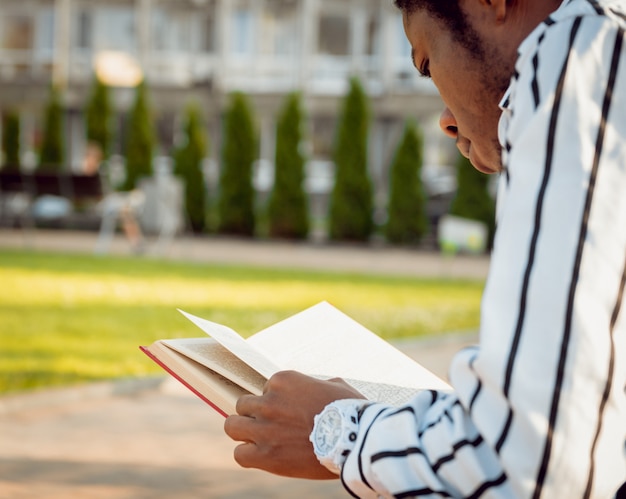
[(180, 69), (325, 75), (24, 64)]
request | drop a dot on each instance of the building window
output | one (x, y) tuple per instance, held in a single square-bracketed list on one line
[(280, 28), (170, 30), (84, 30), (165, 130), (115, 29), (244, 33), (44, 36), (207, 33), (16, 32), (372, 36), (334, 35), (174, 29), (322, 136)]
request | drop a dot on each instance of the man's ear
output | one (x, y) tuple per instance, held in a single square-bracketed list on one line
[(497, 8)]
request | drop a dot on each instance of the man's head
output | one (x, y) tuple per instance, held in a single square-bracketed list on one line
[(469, 48)]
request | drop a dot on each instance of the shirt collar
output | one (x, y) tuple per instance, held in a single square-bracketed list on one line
[(505, 102)]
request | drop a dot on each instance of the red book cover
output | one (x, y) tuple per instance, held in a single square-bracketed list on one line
[(149, 354)]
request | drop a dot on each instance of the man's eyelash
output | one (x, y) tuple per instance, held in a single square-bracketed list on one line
[(425, 69)]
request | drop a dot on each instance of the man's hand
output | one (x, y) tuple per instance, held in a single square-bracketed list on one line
[(275, 427)]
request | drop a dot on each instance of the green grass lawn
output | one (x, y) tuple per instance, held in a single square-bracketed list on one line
[(66, 319)]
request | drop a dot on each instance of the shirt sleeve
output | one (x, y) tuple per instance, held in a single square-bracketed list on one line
[(539, 408)]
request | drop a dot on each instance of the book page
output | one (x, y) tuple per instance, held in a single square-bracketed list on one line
[(322, 340), (382, 392), (211, 354), (237, 345), (219, 392)]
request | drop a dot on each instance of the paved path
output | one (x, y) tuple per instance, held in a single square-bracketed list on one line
[(150, 438), (376, 258)]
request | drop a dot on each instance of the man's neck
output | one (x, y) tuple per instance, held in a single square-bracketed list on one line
[(526, 15), (539, 10)]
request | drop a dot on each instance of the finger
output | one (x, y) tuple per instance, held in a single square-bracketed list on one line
[(246, 455), (339, 381), (343, 383), (247, 405), (239, 428), (249, 455)]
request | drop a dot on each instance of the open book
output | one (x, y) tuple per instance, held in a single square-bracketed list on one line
[(321, 341)]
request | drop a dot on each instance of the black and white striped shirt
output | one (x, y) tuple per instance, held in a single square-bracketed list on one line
[(539, 407)]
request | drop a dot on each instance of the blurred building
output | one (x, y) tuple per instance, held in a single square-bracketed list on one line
[(203, 49)]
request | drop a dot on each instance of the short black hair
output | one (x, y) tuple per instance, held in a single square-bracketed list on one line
[(451, 16), (448, 11)]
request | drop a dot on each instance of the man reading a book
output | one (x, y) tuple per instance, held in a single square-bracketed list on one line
[(535, 91)]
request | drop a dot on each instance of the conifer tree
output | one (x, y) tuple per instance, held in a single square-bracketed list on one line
[(11, 140), (52, 153), (188, 165), (98, 114), (407, 218), (472, 200), (237, 196), (351, 200), (140, 139), (288, 205)]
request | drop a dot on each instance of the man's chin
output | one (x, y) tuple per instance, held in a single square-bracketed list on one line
[(483, 167), (488, 170)]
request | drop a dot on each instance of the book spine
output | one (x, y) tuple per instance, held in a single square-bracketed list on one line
[(176, 376)]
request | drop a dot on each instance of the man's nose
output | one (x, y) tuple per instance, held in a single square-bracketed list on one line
[(447, 122)]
